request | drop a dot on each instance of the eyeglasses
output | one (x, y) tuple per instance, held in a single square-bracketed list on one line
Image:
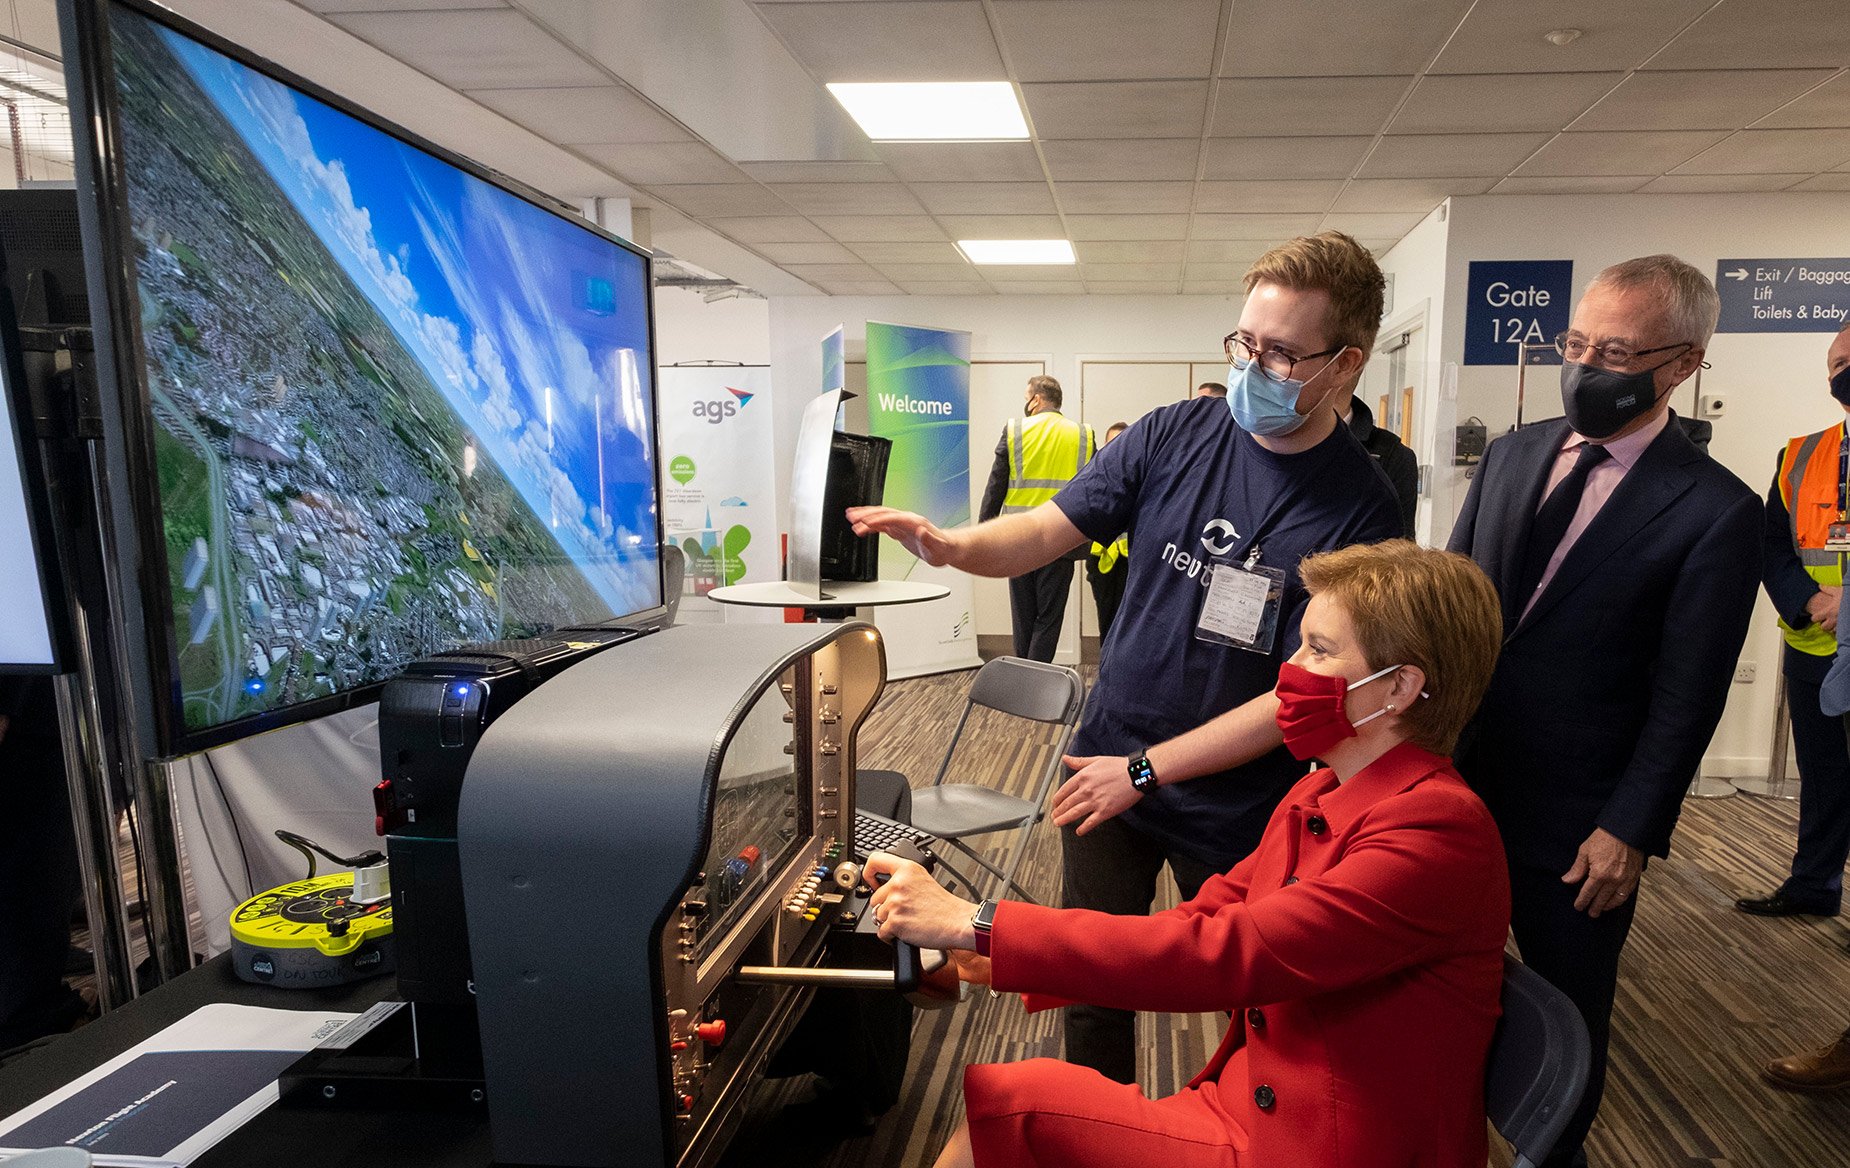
[(1613, 356), (1276, 364)]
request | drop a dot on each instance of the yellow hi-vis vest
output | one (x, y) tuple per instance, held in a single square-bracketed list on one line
[(1108, 554), (1808, 486), (1045, 452)]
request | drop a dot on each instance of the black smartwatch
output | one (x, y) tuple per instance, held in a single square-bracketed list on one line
[(1143, 775), (982, 921)]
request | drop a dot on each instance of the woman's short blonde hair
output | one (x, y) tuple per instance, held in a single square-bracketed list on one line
[(1418, 606)]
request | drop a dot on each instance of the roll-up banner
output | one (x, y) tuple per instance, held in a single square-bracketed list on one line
[(918, 395), (718, 490)]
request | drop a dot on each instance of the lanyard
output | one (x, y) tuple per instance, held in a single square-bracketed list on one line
[(1843, 475)]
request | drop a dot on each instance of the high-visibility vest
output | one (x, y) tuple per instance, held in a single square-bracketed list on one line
[(1808, 485), (1045, 452), (1108, 554)]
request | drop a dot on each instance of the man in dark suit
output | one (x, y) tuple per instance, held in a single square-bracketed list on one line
[(1627, 562)]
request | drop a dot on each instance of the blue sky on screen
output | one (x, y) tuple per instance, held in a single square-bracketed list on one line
[(507, 306)]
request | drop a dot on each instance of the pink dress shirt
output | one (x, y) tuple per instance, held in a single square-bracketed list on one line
[(1602, 481)]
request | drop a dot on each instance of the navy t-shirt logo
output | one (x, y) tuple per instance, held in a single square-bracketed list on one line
[(1219, 525)]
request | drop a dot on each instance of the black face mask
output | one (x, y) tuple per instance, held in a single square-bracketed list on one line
[(1599, 403), (1840, 386)]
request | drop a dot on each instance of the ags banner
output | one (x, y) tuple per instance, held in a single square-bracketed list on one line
[(718, 489), (918, 395)]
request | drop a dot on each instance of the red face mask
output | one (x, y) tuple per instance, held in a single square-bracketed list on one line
[(1310, 709)]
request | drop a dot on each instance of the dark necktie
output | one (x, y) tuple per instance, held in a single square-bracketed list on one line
[(1552, 521)]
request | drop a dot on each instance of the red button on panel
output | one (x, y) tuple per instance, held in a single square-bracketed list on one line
[(383, 818), (712, 1033)]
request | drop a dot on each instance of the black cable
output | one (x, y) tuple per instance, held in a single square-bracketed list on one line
[(141, 884), (250, 879), (210, 850)]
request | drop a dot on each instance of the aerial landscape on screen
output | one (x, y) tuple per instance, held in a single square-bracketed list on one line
[(397, 408)]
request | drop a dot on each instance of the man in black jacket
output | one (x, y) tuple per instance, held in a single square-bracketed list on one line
[(1397, 462)]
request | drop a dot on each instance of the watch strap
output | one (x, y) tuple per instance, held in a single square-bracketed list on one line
[(982, 921)]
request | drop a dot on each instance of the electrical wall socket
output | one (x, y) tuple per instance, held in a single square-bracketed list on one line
[(1744, 672)]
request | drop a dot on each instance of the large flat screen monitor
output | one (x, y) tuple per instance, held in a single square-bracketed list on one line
[(380, 402), (27, 641)]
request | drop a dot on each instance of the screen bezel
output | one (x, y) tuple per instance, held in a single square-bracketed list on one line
[(139, 538), (35, 484)]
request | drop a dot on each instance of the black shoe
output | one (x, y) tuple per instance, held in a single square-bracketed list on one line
[(1781, 905)]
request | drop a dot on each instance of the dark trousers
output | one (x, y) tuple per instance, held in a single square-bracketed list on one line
[(38, 867), (1579, 954), (1037, 604), (1113, 868), (1107, 592), (1824, 798)]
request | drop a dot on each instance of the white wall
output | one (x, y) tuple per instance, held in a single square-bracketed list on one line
[(1775, 381), (689, 329), (1417, 266)]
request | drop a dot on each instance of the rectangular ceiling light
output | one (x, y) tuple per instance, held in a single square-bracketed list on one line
[(1017, 251), (934, 111)]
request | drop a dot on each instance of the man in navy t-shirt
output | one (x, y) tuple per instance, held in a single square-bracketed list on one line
[(1259, 479)]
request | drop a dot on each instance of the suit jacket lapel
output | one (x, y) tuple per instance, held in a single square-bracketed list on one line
[(1654, 482), (1528, 472)]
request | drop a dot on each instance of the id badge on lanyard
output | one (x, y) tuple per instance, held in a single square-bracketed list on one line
[(1241, 605)]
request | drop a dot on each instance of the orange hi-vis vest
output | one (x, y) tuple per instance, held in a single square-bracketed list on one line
[(1809, 487)]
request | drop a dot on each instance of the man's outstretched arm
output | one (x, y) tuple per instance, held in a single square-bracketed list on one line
[(1010, 546)]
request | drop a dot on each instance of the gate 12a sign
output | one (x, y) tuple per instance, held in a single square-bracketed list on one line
[(1510, 302)]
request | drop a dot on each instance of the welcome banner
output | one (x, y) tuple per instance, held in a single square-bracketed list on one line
[(918, 395), (718, 501)]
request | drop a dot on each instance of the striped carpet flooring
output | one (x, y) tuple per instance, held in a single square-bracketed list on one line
[(1707, 994)]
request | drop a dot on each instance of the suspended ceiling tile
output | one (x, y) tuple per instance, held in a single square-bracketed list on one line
[(1743, 34), (719, 199), (1087, 40), (1266, 195), (816, 172), (1499, 102), (985, 198), (1449, 155), (1825, 182), (1371, 224), (1724, 99), (961, 161), (1026, 273), (1130, 251), (1284, 106), (651, 164), (848, 198), (1124, 198), (831, 272), (1619, 152), (1041, 288), (1506, 36), (1828, 105), (942, 252), (945, 288), (881, 40), (1246, 158), (1712, 184), (1117, 109), (1127, 227), (325, 6), (1230, 251), (770, 229), (479, 49), (1266, 228), (1406, 194), (1131, 287), (582, 115), (1571, 184), (912, 273), (1338, 38), (1121, 159), (1772, 151), (1212, 288), (1003, 226), (1092, 273), (880, 228), (807, 253), (860, 288), (1231, 273)]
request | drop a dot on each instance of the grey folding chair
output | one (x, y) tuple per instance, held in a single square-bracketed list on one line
[(1539, 1062), (1050, 694)]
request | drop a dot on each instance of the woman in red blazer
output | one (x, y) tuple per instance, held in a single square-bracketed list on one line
[(1358, 949)]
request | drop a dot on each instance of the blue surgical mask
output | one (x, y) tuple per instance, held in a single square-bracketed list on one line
[(1262, 406)]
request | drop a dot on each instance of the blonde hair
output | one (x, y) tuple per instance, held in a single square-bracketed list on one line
[(1418, 606), (1334, 263)]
